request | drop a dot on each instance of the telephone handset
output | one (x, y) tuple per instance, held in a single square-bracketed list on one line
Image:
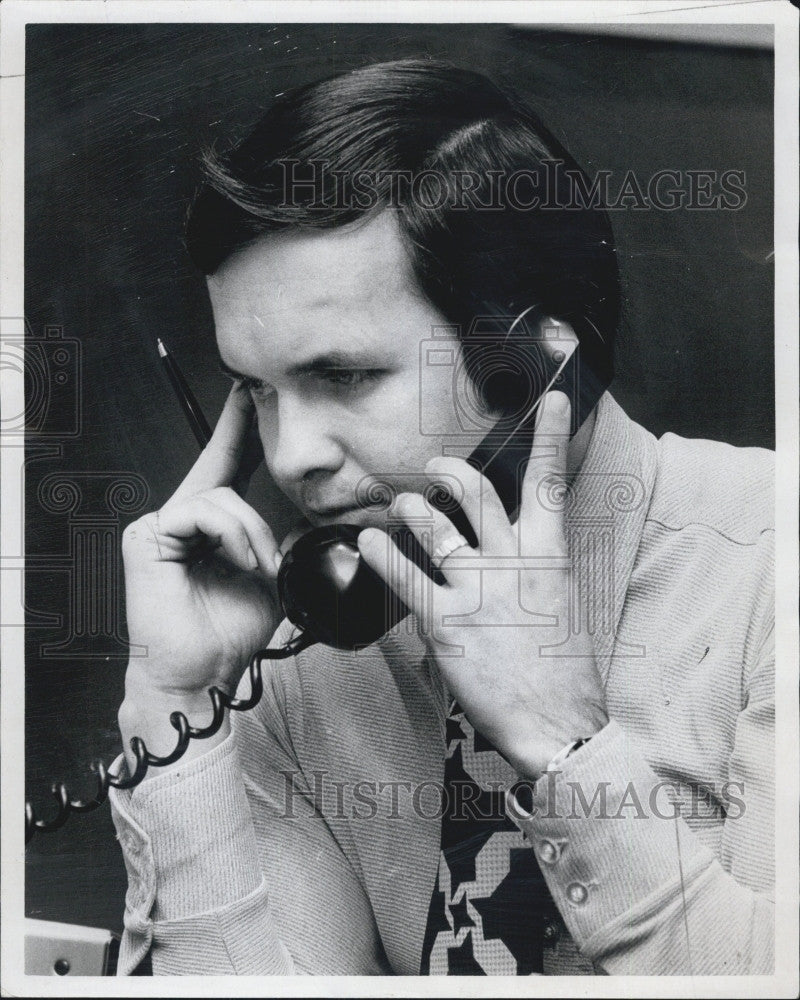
[(324, 586)]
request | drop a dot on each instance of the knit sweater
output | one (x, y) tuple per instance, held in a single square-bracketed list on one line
[(306, 841)]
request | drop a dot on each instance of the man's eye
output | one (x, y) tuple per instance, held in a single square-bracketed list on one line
[(253, 385), (350, 378), (257, 388)]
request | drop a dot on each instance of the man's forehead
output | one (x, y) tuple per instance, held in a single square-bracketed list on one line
[(348, 291), (319, 269)]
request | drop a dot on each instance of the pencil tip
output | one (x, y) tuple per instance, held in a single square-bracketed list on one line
[(162, 351)]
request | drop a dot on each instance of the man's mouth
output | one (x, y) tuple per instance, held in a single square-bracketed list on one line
[(365, 516)]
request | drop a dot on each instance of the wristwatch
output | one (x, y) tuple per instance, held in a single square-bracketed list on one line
[(562, 755)]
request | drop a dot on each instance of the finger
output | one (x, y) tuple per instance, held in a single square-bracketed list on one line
[(197, 516), (404, 577), (259, 534), (545, 484), (478, 498), (252, 457), (219, 461), (434, 532)]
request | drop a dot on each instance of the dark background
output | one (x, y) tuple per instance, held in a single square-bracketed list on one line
[(115, 116)]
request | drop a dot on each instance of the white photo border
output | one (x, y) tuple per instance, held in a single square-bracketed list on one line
[(15, 14)]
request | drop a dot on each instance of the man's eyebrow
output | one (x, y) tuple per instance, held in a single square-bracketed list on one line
[(335, 360)]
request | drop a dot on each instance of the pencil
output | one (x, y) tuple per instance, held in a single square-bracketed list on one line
[(189, 404)]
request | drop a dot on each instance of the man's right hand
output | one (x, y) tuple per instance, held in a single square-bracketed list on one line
[(200, 595)]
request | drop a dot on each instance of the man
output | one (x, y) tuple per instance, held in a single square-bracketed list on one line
[(588, 686)]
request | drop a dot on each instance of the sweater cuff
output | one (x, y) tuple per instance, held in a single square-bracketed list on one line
[(606, 834), (187, 838)]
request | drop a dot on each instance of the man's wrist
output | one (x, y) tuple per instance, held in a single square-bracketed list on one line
[(145, 712), (556, 750)]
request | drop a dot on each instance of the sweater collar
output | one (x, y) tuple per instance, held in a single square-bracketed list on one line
[(607, 506)]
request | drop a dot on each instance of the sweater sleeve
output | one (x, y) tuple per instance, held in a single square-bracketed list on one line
[(638, 891), (196, 897), (231, 869)]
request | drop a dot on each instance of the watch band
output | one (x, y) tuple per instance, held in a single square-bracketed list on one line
[(562, 755)]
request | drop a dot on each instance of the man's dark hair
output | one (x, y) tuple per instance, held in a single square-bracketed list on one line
[(341, 144)]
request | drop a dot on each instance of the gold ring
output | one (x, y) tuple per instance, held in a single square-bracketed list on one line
[(447, 548)]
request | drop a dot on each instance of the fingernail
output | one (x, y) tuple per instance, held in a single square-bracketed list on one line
[(251, 559), (278, 559), (369, 535)]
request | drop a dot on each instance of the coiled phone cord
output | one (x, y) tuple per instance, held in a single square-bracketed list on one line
[(220, 701)]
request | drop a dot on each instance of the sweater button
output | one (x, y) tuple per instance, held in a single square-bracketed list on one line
[(549, 852), (551, 932), (577, 893)]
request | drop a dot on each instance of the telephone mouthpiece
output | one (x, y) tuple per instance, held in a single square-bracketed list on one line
[(327, 589)]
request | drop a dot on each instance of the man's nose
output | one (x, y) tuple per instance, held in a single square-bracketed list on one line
[(302, 442)]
